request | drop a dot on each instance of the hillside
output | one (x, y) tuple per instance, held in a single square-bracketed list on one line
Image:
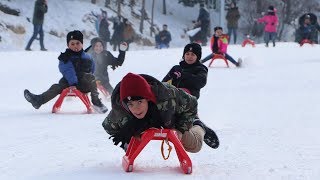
[(67, 15)]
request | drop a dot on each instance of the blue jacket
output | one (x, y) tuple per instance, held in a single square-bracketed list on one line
[(73, 65)]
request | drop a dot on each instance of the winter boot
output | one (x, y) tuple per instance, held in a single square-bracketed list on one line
[(210, 138), (97, 105), (239, 62), (35, 100)]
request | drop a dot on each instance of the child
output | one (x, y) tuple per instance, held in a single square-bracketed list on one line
[(190, 75), (77, 68), (271, 23), (219, 44), (140, 102), (103, 59)]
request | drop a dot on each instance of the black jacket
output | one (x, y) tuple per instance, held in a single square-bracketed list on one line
[(105, 59), (193, 77)]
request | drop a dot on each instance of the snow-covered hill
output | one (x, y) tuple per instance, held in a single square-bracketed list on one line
[(67, 15), (265, 113)]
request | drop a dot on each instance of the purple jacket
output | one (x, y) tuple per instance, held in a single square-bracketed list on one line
[(271, 22)]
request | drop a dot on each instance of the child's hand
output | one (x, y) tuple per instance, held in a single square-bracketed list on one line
[(123, 46)]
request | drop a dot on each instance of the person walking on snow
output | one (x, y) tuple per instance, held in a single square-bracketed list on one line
[(77, 69), (140, 102), (219, 45), (233, 17), (40, 8)]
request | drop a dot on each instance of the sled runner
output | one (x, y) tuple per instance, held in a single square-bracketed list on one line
[(72, 92), (136, 145), (248, 41), (102, 89), (219, 56)]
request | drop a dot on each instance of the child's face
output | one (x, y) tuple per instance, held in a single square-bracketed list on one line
[(190, 57), (138, 108), (218, 32), (98, 48), (75, 45)]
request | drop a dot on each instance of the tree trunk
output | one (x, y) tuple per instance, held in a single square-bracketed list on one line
[(119, 8), (142, 16), (152, 25), (164, 7), (107, 3), (259, 6), (93, 1)]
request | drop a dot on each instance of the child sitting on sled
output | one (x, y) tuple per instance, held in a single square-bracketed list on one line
[(218, 45), (77, 68)]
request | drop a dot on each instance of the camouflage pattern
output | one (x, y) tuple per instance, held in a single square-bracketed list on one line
[(177, 109)]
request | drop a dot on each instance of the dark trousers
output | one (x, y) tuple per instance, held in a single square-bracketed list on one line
[(233, 31), (270, 36), (37, 29), (87, 83), (228, 57)]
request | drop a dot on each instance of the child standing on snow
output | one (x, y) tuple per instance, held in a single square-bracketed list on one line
[(271, 22), (219, 44), (77, 68), (140, 102), (103, 59)]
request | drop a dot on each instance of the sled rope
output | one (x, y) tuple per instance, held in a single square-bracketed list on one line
[(162, 149)]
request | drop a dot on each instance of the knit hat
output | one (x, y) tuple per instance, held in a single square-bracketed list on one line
[(193, 47), (95, 40), (135, 87), (270, 9), (75, 35)]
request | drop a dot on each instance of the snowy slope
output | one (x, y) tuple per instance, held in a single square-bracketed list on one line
[(67, 15), (266, 115)]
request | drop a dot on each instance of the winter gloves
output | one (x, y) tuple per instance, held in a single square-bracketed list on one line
[(123, 46), (176, 72)]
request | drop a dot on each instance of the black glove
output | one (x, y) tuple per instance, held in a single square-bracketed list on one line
[(65, 56), (176, 72)]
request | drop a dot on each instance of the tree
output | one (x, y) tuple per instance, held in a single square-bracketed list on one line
[(143, 12), (93, 1), (152, 13), (164, 6)]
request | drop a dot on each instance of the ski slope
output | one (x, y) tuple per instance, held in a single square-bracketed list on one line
[(265, 113)]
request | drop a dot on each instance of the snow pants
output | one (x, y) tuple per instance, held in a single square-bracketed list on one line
[(87, 83), (192, 140)]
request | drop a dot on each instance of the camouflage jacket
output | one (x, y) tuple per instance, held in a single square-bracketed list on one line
[(176, 108)]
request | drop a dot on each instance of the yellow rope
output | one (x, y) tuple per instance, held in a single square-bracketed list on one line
[(162, 149)]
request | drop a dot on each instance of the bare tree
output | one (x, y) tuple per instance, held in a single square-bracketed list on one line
[(152, 13), (119, 8), (107, 3), (143, 12), (164, 5)]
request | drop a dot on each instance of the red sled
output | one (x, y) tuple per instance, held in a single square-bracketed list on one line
[(72, 92), (102, 89), (136, 145), (306, 41), (248, 41), (219, 56)]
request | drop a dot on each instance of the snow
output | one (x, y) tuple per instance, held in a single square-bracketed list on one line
[(265, 113)]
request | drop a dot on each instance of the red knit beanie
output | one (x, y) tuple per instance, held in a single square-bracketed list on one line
[(134, 85)]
